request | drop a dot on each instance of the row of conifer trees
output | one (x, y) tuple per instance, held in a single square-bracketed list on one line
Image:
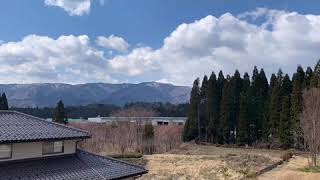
[(249, 111)]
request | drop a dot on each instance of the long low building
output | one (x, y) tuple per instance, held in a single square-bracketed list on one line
[(154, 120)]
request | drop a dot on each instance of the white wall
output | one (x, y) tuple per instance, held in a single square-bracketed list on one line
[(34, 150)]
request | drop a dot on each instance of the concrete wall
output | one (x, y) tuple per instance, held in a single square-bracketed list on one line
[(34, 150)]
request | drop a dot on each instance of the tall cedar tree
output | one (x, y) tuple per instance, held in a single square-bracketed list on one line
[(243, 125), (60, 115), (275, 106), (296, 106), (254, 117), (226, 125), (286, 86), (4, 102), (191, 127), (273, 81), (236, 87), (220, 84), (315, 79), (308, 77), (204, 121), (285, 128), (263, 103), (213, 108)]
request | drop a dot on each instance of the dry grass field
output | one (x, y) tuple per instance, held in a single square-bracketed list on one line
[(192, 161), (291, 171)]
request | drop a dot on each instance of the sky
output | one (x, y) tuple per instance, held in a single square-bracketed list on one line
[(170, 41)]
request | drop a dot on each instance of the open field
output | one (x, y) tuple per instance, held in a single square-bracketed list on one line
[(177, 160), (291, 170), (192, 161)]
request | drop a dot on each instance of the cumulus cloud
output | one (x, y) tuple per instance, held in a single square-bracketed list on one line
[(229, 42), (113, 42), (72, 7), (68, 59)]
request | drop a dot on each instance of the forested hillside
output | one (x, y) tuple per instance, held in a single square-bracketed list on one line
[(254, 111), (93, 110)]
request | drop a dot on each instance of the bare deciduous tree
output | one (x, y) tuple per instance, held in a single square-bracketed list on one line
[(168, 137), (310, 122), (136, 117), (126, 134)]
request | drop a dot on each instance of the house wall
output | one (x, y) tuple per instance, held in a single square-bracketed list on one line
[(34, 150)]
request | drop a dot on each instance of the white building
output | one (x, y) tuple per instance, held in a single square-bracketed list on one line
[(154, 120)]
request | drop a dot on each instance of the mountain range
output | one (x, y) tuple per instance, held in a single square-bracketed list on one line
[(48, 94)]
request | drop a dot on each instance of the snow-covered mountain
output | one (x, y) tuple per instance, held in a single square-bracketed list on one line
[(47, 94)]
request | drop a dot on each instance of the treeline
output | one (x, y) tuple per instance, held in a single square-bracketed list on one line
[(93, 110), (249, 111), (162, 109), (3, 102)]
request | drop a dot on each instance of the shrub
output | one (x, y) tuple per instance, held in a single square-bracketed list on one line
[(287, 155)]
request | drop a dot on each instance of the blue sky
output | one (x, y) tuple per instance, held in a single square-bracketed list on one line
[(137, 30), (139, 21)]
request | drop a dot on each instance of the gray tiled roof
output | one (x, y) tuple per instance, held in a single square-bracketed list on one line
[(80, 166), (19, 127)]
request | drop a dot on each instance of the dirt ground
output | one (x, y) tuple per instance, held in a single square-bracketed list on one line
[(291, 171), (192, 161)]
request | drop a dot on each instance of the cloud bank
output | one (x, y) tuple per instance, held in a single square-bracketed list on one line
[(280, 40)]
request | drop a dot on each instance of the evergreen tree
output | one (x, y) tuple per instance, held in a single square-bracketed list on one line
[(191, 127), (296, 105), (253, 104), (235, 88), (262, 102), (285, 128), (286, 86), (225, 114), (275, 106), (213, 108), (60, 115), (317, 68), (4, 102), (243, 125), (204, 121), (273, 81), (315, 78), (220, 84), (308, 77)]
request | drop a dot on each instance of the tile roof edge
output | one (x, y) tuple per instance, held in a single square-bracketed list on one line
[(113, 159), (36, 159), (49, 122)]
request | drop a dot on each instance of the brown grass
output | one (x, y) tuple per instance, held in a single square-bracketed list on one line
[(111, 140), (291, 171), (192, 161)]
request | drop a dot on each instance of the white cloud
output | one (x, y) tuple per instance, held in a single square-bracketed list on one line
[(113, 42), (73, 7), (229, 42), (69, 59)]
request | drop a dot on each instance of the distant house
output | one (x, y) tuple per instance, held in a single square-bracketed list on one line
[(33, 148), (154, 120)]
